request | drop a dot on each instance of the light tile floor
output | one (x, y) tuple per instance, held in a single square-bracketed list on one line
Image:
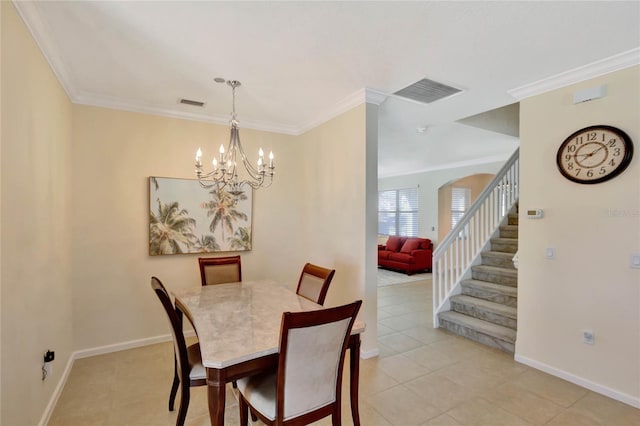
[(422, 377)]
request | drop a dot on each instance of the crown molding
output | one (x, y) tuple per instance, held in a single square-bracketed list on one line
[(458, 164), (31, 16), (595, 69), (349, 102), (374, 96), (102, 101), (353, 100), (346, 104)]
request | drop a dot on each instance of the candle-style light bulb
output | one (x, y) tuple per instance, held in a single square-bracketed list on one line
[(221, 154), (271, 159), (215, 164), (198, 156), (260, 160)]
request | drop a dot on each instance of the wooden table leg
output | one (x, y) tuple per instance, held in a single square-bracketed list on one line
[(216, 387), (354, 349)]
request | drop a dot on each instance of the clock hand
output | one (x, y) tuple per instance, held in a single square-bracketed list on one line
[(591, 154), (601, 146)]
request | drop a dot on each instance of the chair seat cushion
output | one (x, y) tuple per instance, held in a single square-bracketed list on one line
[(260, 393), (196, 369)]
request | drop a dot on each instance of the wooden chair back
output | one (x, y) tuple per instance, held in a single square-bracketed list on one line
[(188, 363), (218, 270), (308, 380), (314, 282), (180, 346)]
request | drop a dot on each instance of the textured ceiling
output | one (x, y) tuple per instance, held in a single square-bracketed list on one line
[(302, 62)]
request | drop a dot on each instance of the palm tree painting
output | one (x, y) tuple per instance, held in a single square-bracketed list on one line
[(185, 218), (224, 212), (241, 239), (170, 229)]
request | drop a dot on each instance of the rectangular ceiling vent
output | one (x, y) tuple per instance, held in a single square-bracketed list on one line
[(427, 91), (190, 102)]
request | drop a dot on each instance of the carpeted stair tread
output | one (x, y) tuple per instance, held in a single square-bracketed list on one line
[(509, 231), (504, 240), (492, 287), (496, 270), (498, 254), (498, 308), (498, 258), (493, 292), (494, 330), (509, 245)]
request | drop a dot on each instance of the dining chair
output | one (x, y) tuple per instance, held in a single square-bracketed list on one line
[(314, 282), (188, 368), (307, 384), (218, 270)]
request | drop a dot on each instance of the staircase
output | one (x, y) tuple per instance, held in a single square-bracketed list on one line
[(474, 280), (485, 311)]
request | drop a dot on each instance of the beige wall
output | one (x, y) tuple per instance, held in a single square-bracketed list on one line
[(334, 214), (306, 216), (35, 240), (116, 152), (476, 184), (594, 229)]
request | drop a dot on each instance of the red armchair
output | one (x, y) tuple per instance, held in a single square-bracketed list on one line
[(409, 255)]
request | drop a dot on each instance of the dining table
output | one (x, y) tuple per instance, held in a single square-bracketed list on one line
[(238, 329)]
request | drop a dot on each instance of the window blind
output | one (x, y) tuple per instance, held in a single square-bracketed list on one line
[(460, 202), (398, 212)]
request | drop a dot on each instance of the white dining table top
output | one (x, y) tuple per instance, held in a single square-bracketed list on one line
[(237, 322)]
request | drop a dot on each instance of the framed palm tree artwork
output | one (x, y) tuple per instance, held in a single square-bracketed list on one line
[(186, 218)]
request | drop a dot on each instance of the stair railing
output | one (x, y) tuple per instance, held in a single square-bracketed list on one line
[(454, 256)]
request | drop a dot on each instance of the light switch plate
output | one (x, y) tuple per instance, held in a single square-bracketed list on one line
[(550, 253), (635, 260)]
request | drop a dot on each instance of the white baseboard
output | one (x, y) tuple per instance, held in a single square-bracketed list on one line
[(370, 353), (100, 350), (580, 381)]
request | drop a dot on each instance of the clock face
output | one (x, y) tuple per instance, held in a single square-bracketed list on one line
[(594, 154)]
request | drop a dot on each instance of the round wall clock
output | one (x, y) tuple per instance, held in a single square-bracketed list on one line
[(594, 154)]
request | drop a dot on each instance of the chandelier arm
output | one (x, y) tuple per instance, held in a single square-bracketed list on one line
[(251, 171)]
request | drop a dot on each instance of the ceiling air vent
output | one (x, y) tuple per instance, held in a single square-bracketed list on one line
[(427, 91), (190, 102)]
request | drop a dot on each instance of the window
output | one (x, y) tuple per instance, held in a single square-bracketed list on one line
[(460, 202), (398, 212)]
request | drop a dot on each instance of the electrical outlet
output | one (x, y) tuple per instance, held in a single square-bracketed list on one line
[(588, 337), (47, 366)]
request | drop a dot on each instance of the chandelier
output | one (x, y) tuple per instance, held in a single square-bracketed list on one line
[(224, 174)]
